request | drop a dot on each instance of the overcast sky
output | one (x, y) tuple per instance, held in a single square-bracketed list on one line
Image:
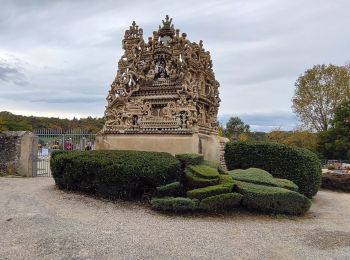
[(58, 58)]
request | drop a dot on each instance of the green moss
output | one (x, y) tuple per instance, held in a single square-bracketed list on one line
[(175, 204), (272, 199), (209, 191), (221, 202)]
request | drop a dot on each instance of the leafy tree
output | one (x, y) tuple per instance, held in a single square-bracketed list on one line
[(335, 142), (318, 92), (297, 138), (235, 127)]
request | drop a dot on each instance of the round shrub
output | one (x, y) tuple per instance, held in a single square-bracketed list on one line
[(114, 174), (298, 165)]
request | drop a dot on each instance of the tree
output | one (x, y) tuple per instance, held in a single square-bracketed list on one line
[(297, 138), (235, 127), (318, 92), (335, 142)]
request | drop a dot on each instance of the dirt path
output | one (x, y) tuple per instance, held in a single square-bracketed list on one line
[(37, 221)]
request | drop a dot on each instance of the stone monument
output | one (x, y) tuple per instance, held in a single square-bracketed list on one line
[(164, 96)]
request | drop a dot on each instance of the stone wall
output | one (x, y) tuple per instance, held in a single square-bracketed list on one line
[(222, 143), (16, 152)]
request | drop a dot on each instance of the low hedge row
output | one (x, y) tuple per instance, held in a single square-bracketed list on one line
[(298, 165), (209, 191), (259, 176), (174, 204), (193, 181), (173, 189), (114, 174), (221, 202), (204, 171), (272, 199)]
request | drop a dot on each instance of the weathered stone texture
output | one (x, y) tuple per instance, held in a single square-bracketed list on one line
[(16, 152)]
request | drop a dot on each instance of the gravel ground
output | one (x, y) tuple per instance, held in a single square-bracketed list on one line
[(38, 221)]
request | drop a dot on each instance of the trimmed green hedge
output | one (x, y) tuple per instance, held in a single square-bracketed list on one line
[(259, 176), (336, 181), (175, 204), (209, 191), (171, 190), (272, 199), (114, 174), (221, 202), (193, 181), (187, 159), (298, 165), (204, 171)]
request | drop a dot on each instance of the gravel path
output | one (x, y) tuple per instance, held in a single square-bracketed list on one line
[(38, 221)]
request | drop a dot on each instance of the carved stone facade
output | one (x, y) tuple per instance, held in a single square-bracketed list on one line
[(165, 85), (164, 98)]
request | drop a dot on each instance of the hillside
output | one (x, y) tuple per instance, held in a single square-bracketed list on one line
[(12, 122)]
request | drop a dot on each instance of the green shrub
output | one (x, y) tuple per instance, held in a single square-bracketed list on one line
[(221, 202), (272, 199), (336, 181), (287, 184), (187, 159), (170, 190), (204, 171), (193, 181), (209, 191), (215, 165), (225, 179), (259, 176), (175, 204), (298, 165), (114, 174)]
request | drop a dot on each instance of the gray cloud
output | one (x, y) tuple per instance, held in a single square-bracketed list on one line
[(66, 51), (11, 73)]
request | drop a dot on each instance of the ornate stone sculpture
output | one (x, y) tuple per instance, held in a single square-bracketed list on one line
[(165, 85)]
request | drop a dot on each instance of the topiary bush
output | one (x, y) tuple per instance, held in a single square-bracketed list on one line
[(114, 174), (193, 181), (204, 171), (209, 191), (336, 181), (171, 190), (174, 204), (259, 176), (187, 159), (272, 199), (221, 202), (298, 165)]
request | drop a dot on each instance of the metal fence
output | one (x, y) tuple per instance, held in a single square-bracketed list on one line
[(50, 140)]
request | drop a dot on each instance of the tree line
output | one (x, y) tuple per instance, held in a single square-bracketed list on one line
[(12, 122)]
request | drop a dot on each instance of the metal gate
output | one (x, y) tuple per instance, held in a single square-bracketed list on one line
[(50, 140)]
